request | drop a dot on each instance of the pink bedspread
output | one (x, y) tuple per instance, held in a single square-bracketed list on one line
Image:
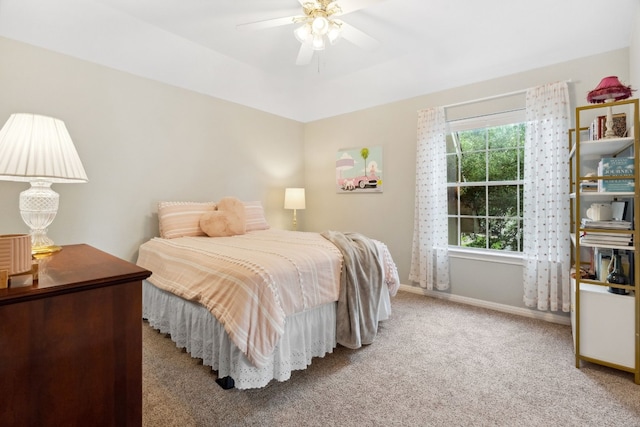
[(249, 282)]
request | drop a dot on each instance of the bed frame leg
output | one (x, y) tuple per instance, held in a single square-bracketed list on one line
[(226, 383)]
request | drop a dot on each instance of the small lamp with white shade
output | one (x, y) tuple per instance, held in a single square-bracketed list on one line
[(294, 199), (38, 149)]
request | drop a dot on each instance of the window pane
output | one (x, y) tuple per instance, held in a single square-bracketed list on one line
[(473, 140), (503, 165), (504, 234), (503, 200), (453, 231), (452, 200), (509, 136), (474, 167), (521, 161), (521, 191), (452, 168), (473, 233), (451, 146), (473, 200)]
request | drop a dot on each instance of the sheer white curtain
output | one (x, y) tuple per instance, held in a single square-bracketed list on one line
[(430, 257), (546, 242)]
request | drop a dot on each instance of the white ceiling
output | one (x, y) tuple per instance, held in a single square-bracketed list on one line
[(425, 45)]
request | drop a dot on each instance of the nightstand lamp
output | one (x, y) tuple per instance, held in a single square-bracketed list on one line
[(38, 149), (294, 199)]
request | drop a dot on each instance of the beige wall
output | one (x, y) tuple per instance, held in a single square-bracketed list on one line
[(389, 216), (143, 141), (140, 142)]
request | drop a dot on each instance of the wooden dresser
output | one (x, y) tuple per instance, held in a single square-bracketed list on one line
[(71, 344)]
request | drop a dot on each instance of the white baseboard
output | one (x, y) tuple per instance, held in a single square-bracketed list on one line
[(521, 311)]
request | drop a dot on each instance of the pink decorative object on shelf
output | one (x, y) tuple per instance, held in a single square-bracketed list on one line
[(609, 89)]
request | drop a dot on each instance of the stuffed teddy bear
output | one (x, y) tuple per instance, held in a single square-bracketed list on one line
[(228, 219)]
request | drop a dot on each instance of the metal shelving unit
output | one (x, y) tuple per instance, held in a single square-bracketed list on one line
[(606, 325)]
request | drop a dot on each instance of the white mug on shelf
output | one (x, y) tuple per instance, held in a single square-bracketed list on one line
[(600, 212)]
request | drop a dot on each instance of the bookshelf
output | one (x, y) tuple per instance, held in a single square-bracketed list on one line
[(605, 308)]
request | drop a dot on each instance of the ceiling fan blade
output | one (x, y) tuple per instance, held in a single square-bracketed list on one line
[(304, 54), (348, 6), (268, 23), (357, 37)]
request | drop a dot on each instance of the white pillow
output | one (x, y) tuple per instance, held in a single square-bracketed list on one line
[(255, 216)]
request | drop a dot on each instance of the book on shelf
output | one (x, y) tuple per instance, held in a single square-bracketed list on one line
[(598, 127), (589, 186), (616, 166), (611, 224), (606, 240), (604, 260), (608, 235), (619, 125)]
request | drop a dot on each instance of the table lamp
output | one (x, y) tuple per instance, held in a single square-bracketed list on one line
[(294, 199), (38, 149), (609, 90)]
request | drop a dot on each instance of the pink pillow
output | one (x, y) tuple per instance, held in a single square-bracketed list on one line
[(228, 220), (179, 219)]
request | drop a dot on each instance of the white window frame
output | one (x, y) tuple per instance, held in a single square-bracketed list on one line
[(510, 117)]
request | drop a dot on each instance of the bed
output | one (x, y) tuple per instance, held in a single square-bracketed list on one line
[(258, 305)]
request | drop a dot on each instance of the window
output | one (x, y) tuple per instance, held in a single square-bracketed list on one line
[(485, 168)]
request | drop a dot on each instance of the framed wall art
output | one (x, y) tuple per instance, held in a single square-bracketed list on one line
[(359, 170)]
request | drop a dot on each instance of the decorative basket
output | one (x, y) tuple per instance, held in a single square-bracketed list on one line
[(15, 253)]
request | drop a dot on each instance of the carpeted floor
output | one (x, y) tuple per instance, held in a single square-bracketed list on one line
[(434, 363)]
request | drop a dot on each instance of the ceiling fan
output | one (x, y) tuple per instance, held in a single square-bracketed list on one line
[(318, 24)]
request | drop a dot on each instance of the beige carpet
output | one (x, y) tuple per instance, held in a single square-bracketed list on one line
[(434, 363)]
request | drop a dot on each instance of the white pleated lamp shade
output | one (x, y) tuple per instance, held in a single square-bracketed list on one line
[(34, 147)]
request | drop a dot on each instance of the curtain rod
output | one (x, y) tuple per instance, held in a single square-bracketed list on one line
[(488, 98)]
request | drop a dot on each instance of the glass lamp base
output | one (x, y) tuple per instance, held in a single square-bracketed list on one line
[(38, 208), (39, 251)]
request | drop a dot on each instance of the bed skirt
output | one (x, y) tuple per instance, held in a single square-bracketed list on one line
[(308, 334)]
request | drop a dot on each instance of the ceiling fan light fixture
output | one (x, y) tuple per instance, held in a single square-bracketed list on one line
[(303, 33), (335, 29), (320, 25), (317, 26), (318, 42)]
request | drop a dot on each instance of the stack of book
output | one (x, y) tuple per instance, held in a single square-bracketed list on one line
[(603, 237), (612, 224), (616, 166), (607, 239)]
